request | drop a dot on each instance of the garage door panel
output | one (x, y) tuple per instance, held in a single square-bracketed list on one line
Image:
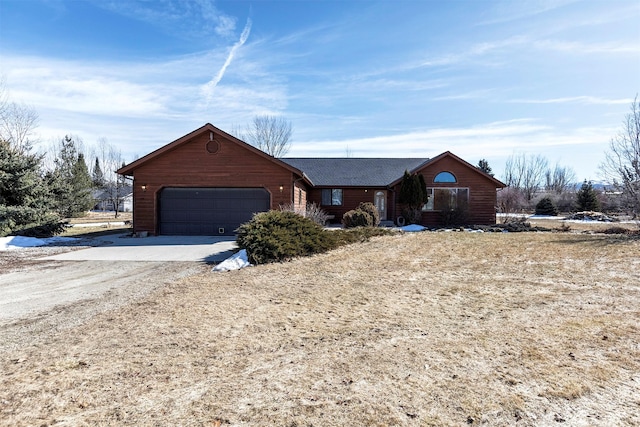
[(209, 211)]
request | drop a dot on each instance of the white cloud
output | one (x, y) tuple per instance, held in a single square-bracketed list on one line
[(176, 16), (508, 11), (494, 141), (575, 99), (580, 48), (209, 88)]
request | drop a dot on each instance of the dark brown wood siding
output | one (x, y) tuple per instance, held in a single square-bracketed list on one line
[(482, 191), (191, 165), (351, 198), (299, 196)]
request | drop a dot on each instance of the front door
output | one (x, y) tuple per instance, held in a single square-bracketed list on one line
[(380, 201)]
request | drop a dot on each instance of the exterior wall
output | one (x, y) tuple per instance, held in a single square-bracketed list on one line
[(351, 198), (299, 197), (482, 192), (191, 165)]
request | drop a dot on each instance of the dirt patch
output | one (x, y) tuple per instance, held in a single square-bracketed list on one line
[(416, 329)]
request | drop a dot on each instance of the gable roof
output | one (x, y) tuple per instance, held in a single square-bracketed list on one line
[(323, 172), (354, 172), (128, 169), (497, 182), (102, 194)]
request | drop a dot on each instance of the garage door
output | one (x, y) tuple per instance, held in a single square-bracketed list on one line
[(209, 211)]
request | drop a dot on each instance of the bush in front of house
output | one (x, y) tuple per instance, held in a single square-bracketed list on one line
[(365, 215), (275, 236), (360, 234), (456, 216), (311, 211), (357, 218), (371, 209), (546, 207)]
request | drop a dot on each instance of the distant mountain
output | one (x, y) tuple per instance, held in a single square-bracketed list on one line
[(597, 185)]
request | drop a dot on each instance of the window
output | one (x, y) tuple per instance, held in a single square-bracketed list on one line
[(332, 196), (445, 177), (446, 199)]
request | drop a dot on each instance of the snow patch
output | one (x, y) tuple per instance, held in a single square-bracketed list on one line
[(17, 242), (412, 228), (234, 262)]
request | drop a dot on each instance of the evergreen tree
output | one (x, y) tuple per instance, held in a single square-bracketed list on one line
[(97, 176), (82, 185), (546, 207), (413, 193), (483, 165), (70, 181), (24, 195), (587, 198)]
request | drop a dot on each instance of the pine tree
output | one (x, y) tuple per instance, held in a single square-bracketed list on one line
[(24, 195), (97, 176), (81, 184), (546, 207), (483, 165), (587, 198), (70, 181)]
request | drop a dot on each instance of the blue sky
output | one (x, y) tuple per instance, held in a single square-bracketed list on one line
[(483, 79)]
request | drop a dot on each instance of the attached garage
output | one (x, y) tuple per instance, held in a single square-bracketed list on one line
[(205, 211), (208, 183)]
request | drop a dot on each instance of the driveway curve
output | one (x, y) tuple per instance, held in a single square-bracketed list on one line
[(120, 266)]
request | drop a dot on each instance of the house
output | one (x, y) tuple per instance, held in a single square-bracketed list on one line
[(209, 182), (104, 199)]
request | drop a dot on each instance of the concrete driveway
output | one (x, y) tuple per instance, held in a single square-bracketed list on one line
[(117, 247), (84, 282)]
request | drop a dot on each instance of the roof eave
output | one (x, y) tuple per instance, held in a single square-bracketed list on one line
[(497, 182), (131, 167)]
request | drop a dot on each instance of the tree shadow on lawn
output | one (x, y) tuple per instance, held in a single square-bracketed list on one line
[(601, 239)]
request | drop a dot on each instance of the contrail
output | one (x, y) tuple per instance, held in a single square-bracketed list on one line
[(211, 85)]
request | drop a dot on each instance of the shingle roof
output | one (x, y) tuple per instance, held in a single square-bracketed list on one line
[(356, 172)]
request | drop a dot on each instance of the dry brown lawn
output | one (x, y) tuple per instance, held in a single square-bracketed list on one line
[(101, 217), (416, 329)]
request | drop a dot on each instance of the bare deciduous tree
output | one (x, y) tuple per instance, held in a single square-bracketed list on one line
[(560, 179), (271, 134), (525, 173), (17, 122), (622, 161), (110, 160), (510, 201)]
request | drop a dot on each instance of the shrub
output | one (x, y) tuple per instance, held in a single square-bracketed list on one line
[(357, 218), (311, 211), (316, 214), (511, 200), (546, 207), (371, 209), (412, 215), (565, 201), (359, 234), (456, 216), (281, 235)]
